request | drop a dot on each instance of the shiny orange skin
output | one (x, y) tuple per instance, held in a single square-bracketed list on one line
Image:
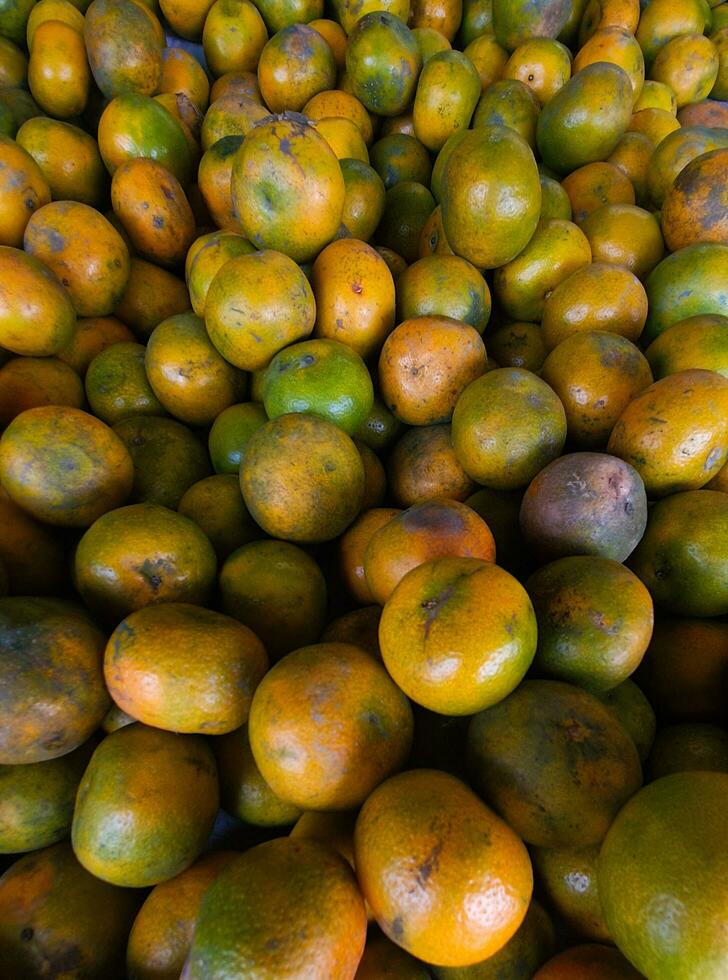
[(436, 529), (233, 37), (425, 364), (23, 189), (619, 47), (295, 65), (596, 375), (422, 466), (676, 432), (278, 591), (555, 762), (364, 199), (58, 10), (145, 806), (442, 15), (302, 478), (191, 380), (333, 103), (186, 17), (64, 466), (447, 93), (93, 335), (52, 702), (27, 382), (430, 857), (557, 249), (84, 250), (32, 555), (431, 651), (256, 305), (352, 548), (37, 318), (696, 342), (142, 554), (297, 892), (588, 962), (625, 235), (568, 877), (335, 710), (152, 294), (68, 157), (308, 183), (344, 138), (506, 427), (58, 73), (354, 293), (633, 156), (600, 296), (655, 124), (204, 262), (124, 41), (543, 64), (49, 904), (244, 793), (595, 184), (695, 208), (182, 73), (161, 936), (213, 179), (183, 668), (488, 57), (444, 285), (600, 14), (215, 504), (689, 65), (154, 211), (230, 115), (656, 95)]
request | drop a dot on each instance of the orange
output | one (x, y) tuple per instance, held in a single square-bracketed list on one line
[(656, 433), (518, 345), (296, 64), (23, 189), (695, 207), (654, 858), (28, 382), (655, 124), (594, 621), (93, 335), (656, 95), (58, 72), (687, 283), (634, 711), (554, 762), (204, 262), (618, 47), (49, 904), (230, 433), (335, 35), (352, 548), (152, 294), (488, 57), (435, 529), (633, 156), (257, 304), (595, 184), (145, 806), (52, 702), (335, 828), (625, 235), (689, 65), (283, 907), (429, 645), (117, 386), (230, 115), (383, 62), (444, 286), (697, 342), (32, 554), (448, 90), (588, 962), (665, 21), (541, 63), (509, 103), (141, 554), (429, 857), (347, 726), (243, 792), (424, 366), (364, 197), (400, 156), (674, 153), (81, 471), (215, 504), (596, 375), (233, 37), (236, 83), (68, 157), (344, 137), (600, 296), (422, 466), (490, 182), (161, 936), (205, 682), (360, 627), (383, 959), (506, 427), (568, 877)]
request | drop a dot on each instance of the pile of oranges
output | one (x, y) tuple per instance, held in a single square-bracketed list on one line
[(364, 490)]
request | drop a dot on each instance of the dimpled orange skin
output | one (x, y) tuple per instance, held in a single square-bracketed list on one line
[(598, 297), (447, 880), (64, 466), (436, 529), (59, 77), (93, 335), (429, 645), (302, 478), (143, 554), (425, 364), (256, 305), (296, 64), (152, 294), (153, 209), (23, 189), (27, 382), (161, 936), (596, 375), (354, 293), (84, 250), (145, 806), (695, 208), (595, 184), (327, 725), (555, 762), (506, 427), (184, 668), (190, 378), (675, 433), (50, 905), (352, 548), (52, 695), (287, 188), (588, 962), (422, 466)]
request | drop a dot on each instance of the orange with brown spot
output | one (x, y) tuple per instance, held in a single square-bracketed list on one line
[(695, 208)]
